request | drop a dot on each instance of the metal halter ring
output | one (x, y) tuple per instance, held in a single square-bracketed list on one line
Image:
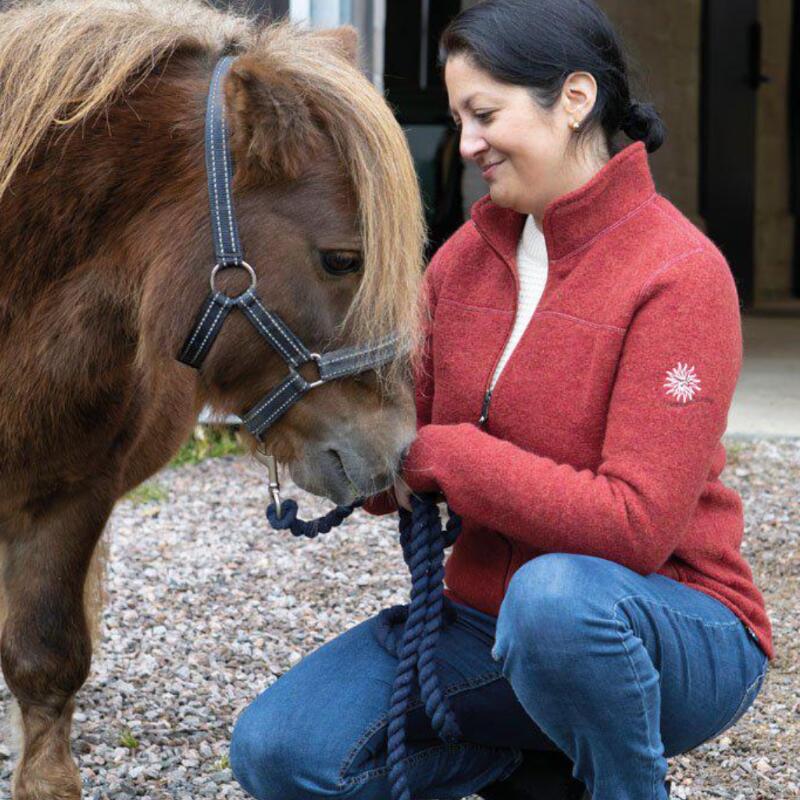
[(316, 357), (243, 265)]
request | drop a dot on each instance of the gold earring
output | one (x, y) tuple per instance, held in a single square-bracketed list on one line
[(575, 125)]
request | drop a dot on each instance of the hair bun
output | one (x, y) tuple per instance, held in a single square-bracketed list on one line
[(643, 123)]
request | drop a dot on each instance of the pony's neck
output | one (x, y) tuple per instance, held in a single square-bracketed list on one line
[(89, 198)]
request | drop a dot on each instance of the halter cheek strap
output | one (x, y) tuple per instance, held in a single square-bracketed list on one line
[(217, 306)]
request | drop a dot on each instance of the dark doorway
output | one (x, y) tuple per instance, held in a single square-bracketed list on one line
[(730, 78), (794, 143), (415, 88)]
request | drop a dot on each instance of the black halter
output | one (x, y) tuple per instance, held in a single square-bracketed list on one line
[(334, 364)]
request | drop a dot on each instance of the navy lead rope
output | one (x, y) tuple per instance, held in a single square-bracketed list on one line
[(423, 541), (289, 521)]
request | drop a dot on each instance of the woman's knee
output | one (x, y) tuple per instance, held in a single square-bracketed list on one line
[(295, 738), (275, 757), (255, 754), (552, 603)]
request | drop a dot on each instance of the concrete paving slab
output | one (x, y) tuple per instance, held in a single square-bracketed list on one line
[(767, 397)]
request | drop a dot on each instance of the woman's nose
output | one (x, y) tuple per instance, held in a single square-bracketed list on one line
[(471, 144)]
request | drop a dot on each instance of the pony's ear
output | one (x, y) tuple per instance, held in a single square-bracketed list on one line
[(273, 128), (344, 39)]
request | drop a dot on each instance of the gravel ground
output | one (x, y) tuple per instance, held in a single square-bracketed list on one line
[(207, 607)]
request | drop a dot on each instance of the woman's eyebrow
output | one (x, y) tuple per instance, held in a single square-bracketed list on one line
[(466, 102)]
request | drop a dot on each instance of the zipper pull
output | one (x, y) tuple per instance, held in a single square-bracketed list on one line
[(485, 409)]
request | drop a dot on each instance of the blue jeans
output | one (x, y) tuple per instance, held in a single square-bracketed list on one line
[(615, 669)]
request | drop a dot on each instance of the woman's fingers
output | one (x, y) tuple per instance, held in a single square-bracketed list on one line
[(402, 493)]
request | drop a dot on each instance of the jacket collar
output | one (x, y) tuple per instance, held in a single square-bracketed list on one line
[(574, 219)]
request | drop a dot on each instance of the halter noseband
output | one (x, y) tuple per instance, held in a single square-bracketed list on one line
[(339, 363)]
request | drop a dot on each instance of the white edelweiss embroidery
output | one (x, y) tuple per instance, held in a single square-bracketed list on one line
[(682, 383)]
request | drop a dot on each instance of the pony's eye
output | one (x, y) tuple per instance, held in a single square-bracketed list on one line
[(341, 263)]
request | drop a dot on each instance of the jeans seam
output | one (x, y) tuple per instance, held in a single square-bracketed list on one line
[(422, 755), (643, 598), (620, 627), (739, 709), (695, 618), (448, 691)]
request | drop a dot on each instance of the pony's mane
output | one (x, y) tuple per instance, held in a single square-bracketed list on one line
[(64, 61)]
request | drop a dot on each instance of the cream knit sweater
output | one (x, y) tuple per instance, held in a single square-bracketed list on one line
[(532, 269)]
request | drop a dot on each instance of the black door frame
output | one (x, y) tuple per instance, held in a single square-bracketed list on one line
[(793, 100), (730, 74)]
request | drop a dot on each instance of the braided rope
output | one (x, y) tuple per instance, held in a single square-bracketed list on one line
[(289, 521), (423, 542)]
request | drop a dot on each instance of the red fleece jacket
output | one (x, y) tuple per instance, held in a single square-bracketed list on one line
[(604, 427)]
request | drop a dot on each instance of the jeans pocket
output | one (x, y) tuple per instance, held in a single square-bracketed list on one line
[(747, 700)]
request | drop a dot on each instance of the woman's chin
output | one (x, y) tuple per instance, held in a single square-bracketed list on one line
[(501, 197)]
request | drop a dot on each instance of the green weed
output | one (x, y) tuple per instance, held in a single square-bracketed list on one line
[(127, 739), (208, 442)]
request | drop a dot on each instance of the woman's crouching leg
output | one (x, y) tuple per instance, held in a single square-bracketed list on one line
[(320, 730), (294, 740), (584, 678), (620, 669)]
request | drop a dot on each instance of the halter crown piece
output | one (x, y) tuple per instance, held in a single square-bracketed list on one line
[(421, 535)]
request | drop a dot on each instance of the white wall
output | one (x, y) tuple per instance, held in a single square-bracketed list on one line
[(368, 16)]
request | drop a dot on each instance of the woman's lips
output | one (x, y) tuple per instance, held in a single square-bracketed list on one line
[(489, 170)]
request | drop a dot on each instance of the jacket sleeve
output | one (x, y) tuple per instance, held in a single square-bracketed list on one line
[(385, 502), (668, 410)]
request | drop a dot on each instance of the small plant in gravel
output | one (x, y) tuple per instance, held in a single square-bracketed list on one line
[(149, 492), (127, 739), (208, 442), (222, 763)]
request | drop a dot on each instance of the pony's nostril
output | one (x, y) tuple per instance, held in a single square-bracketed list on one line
[(338, 464)]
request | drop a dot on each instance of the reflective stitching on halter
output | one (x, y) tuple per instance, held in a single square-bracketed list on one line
[(271, 399), (229, 209), (211, 329), (270, 317), (276, 413), (365, 364), (289, 340), (358, 352), (197, 331), (266, 331), (214, 160)]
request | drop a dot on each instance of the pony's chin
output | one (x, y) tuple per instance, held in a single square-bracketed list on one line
[(327, 476)]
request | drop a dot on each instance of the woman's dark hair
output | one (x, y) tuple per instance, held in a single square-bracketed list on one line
[(539, 43)]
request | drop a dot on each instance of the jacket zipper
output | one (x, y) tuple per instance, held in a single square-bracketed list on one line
[(485, 408), (487, 395)]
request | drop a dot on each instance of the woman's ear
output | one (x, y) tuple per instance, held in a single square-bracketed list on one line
[(273, 130), (344, 39)]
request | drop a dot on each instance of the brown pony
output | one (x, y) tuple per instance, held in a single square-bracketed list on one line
[(107, 253)]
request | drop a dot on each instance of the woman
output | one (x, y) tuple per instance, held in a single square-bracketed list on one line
[(582, 353)]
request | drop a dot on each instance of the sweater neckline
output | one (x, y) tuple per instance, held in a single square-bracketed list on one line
[(532, 244), (573, 220)]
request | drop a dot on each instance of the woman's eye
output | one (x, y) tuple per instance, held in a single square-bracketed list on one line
[(484, 118), (341, 263)]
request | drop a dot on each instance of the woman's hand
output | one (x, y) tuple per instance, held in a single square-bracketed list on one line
[(402, 493)]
